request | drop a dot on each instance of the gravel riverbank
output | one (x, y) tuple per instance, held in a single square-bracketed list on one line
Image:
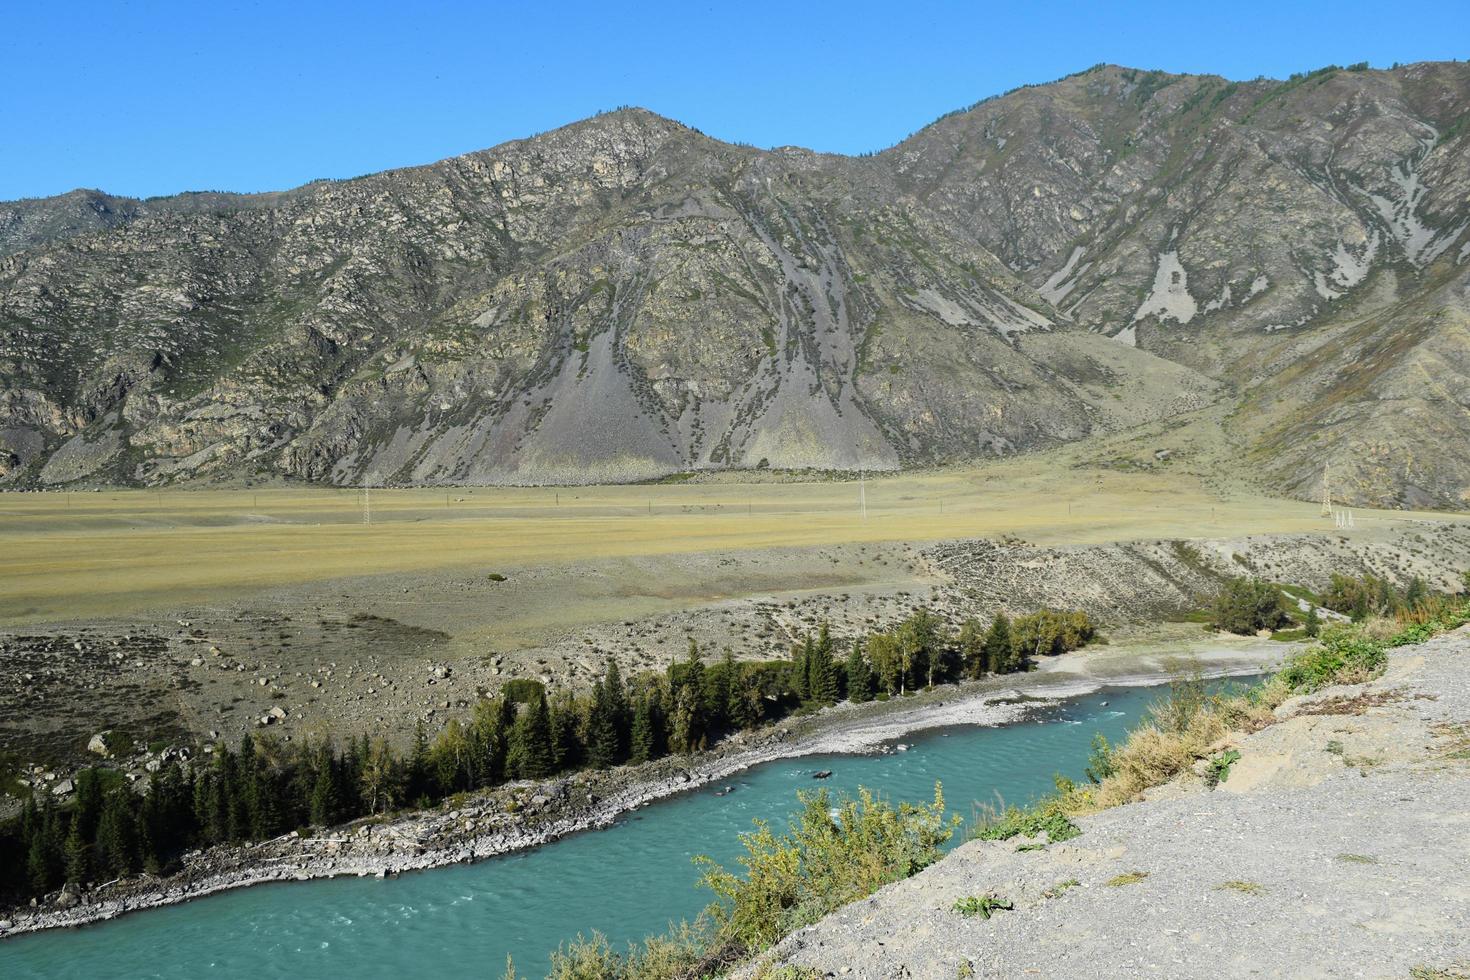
[(525, 815)]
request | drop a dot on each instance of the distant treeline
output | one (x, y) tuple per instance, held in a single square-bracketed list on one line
[(267, 787), (1245, 605)]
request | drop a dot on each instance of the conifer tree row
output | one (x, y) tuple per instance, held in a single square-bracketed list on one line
[(265, 787)]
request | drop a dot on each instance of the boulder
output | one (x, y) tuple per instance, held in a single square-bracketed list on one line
[(98, 744), (69, 897)]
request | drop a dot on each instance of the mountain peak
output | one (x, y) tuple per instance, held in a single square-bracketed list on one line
[(624, 297)]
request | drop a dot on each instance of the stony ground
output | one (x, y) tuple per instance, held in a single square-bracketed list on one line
[(1338, 846), (386, 653)]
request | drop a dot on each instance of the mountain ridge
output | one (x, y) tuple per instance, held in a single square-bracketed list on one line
[(625, 297)]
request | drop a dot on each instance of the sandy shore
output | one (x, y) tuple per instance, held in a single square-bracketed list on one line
[(520, 816)]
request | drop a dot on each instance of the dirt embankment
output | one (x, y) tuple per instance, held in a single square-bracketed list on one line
[(1339, 845), (384, 655)]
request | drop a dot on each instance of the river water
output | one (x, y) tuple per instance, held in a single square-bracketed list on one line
[(626, 881)]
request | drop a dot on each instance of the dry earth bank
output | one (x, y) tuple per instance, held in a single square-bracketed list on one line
[(1338, 846), (385, 652)]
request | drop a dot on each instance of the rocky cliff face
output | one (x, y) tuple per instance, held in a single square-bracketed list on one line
[(625, 298)]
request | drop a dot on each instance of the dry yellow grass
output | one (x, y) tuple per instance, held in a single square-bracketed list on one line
[(82, 555)]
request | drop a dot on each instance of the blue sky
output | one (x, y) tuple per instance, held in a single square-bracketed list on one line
[(146, 98)]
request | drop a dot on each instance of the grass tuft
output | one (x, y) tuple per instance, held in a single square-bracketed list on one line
[(1244, 887), (1033, 822), (1061, 888), (982, 905)]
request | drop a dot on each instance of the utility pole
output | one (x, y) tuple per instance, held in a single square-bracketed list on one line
[(1326, 492), (863, 494)]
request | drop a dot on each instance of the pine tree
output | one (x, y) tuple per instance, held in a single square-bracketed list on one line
[(999, 653), (739, 713), (30, 820), (216, 792), (972, 649), (919, 644), (87, 809), (1312, 624), (264, 794), (801, 658), (325, 807), (823, 669), (153, 830), (944, 658), (44, 857), (419, 782), (566, 746), (488, 737), (618, 710), (77, 854), (602, 729), (720, 687), (243, 792), (530, 754), (686, 732), (1416, 593), (859, 675), (117, 836), (641, 748)]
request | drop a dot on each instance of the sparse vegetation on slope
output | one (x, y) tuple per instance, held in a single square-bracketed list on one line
[(1186, 727), (832, 855)]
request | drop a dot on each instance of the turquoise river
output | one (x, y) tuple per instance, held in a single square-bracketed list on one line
[(626, 881)]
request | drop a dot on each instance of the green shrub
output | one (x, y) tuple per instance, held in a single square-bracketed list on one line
[(1344, 654), (1370, 595), (822, 863), (1043, 818), (1220, 765), (1429, 619), (1246, 605), (829, 858), (522, 690), (681, 952), (1049, 632), (1100, 763)]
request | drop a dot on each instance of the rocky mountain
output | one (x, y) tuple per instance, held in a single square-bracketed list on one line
[(625, 298)]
